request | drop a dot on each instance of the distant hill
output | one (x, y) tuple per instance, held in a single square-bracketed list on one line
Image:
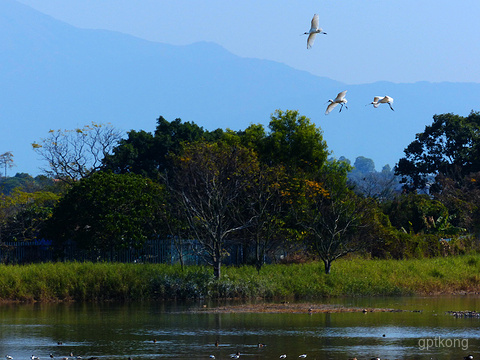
[(54, 76)]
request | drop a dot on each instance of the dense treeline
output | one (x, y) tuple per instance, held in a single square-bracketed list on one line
[(271, 191)]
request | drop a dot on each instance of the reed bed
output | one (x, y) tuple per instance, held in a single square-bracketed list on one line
[(75, 281)]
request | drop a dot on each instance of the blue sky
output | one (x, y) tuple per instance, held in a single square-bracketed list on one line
[(367, 41)]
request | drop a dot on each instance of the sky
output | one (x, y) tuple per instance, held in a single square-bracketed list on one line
[(367, 41)]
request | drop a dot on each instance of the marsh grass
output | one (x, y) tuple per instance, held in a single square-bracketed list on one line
[(132, 282)]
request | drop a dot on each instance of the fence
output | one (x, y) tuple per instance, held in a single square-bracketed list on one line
[(165, 251), (168, 251)]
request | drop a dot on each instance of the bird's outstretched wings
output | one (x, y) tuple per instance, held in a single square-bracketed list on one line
[(315, 23), (330, 107), (311, 40), (341, 96)]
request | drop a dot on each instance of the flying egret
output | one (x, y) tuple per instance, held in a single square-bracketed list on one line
[(283, 356), (375, 101), (340, 99), (8, 357), (314, 30), (386, 100), (303, 356)]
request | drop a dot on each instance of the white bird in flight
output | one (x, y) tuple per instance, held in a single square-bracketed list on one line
[(314, 30), (386, 100), (340, 99), (377, 100)]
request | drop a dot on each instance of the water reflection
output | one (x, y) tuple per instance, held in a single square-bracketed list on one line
[(170, 330)]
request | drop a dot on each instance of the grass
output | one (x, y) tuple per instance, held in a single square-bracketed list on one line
[(131, 282)]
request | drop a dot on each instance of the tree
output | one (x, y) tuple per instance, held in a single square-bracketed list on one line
[(146, 154), (265, 212), (6, 161), (332, 216), (450, 147), (462, 201), (294, 142), (370, 183), (417, 213), (211, 182), (27, 183), (364, 165), (108, 211), (22, 213), (75, 154)]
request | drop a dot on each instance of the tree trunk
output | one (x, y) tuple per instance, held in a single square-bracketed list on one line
[(328, 264), (217, 264), (216, 269), (258, 255)]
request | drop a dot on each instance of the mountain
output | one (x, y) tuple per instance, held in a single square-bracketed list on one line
[(56, 76)]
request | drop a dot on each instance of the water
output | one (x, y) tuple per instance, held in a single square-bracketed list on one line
[(113, 331)]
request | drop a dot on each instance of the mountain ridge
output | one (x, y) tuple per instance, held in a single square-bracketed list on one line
[(57, 76)]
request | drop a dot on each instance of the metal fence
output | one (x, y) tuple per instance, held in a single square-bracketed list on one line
[(166, 251)]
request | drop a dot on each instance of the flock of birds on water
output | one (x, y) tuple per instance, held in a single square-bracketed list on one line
[(33, 357), (303, 356), (233, 356), (340, 99)]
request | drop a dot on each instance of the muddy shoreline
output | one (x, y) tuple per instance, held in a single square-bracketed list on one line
[(291, 308)]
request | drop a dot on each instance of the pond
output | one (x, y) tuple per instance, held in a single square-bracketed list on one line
[(174, 331)]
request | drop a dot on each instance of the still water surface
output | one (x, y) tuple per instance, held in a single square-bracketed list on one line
[(113, 331)]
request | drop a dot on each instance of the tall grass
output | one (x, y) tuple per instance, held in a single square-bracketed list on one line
[(130, 282)]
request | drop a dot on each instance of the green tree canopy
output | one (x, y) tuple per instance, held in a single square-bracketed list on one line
[(417, 213), (449, 146), (364, 165), (294, 142), (146, 154), (22, 214), (106, 211)]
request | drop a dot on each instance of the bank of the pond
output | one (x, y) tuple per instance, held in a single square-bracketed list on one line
[(133, 282)]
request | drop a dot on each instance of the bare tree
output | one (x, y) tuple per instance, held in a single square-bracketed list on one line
[(333, 219), (210, 183), (6, 161), (75, 154), (334, 227), (265, 212)]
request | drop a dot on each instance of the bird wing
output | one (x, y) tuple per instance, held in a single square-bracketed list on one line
[(311, 40), (376, 98), (385, 100), (340, 96), (330, 107), (314, 22)]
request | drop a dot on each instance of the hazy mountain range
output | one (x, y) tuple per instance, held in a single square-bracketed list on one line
[(56, 76)]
